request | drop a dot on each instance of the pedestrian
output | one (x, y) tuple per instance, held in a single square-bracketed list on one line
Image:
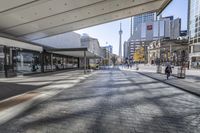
[(168, 71)]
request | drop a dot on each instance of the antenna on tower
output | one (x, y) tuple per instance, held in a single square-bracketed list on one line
[(120, 40)]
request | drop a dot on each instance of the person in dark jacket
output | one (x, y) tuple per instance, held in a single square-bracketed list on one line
[(168, 71)]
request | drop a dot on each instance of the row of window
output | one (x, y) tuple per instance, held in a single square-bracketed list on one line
[(194, 24), (194, 40)]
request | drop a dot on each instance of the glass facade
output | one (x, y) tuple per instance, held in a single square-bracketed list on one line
[(194, 22), (28, 62), (53, 62), (147, 17), (16, 61), (194, 32), (64, 62)]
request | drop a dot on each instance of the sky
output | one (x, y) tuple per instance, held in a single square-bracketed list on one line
[(108, 33)]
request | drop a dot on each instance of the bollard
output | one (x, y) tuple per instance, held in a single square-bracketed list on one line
[(159, 69)]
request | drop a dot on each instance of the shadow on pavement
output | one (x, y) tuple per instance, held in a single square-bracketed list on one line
[(98, 105)]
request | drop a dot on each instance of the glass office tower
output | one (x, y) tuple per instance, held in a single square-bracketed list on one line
[(146, 17), (194, 33)]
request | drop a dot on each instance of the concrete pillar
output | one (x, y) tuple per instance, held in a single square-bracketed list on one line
[(5, 61), (42, 61), (85, 62), (192, 49)]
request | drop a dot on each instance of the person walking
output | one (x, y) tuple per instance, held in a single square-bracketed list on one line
[(168, 71)]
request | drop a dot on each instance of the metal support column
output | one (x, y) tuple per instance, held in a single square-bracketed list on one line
[(78, 62), (85, 62), (42, 61)]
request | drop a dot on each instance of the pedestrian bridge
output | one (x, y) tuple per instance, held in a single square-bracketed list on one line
[(35, 19)]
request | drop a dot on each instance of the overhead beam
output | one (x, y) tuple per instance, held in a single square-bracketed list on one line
[(13, 6), (39, 10), (7, 5), (81, 14), (95, 20), (35, 19)]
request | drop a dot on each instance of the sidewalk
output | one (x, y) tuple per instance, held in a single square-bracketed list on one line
[(38, 89), (189, 84), (192, 75)]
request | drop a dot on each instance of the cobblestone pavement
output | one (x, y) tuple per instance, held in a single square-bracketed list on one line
[(113, 101)]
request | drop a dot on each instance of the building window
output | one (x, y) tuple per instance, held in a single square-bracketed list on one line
[(28, 62), (196, 48)]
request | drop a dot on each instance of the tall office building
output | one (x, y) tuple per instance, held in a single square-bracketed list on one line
[(164, 28), (143, 18), (126, 50), (108, 48), (136, 21), (194, 33)]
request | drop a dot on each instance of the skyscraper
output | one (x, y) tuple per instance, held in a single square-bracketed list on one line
[(136, 21), (143, 18), (120, 40), (194, 33), (108, 48)]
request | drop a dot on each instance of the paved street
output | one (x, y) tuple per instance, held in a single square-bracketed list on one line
[(112, 101)]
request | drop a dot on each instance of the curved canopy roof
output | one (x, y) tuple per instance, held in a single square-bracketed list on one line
[(35, 19)]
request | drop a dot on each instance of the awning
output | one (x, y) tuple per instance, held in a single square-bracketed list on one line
[(75, 52)]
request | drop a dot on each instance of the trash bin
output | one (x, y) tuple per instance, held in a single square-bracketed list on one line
[(159, 69), (181, 72)]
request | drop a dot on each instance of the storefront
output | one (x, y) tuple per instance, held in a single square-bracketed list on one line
[(16, 61), (28, 61), (53, 62), (17, 57), (195, 62)]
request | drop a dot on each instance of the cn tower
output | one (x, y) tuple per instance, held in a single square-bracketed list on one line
[(120, 41)]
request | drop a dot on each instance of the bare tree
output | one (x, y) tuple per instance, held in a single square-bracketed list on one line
[(114, 59)]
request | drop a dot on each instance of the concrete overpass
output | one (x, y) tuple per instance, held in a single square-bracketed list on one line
[(35, 19)]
